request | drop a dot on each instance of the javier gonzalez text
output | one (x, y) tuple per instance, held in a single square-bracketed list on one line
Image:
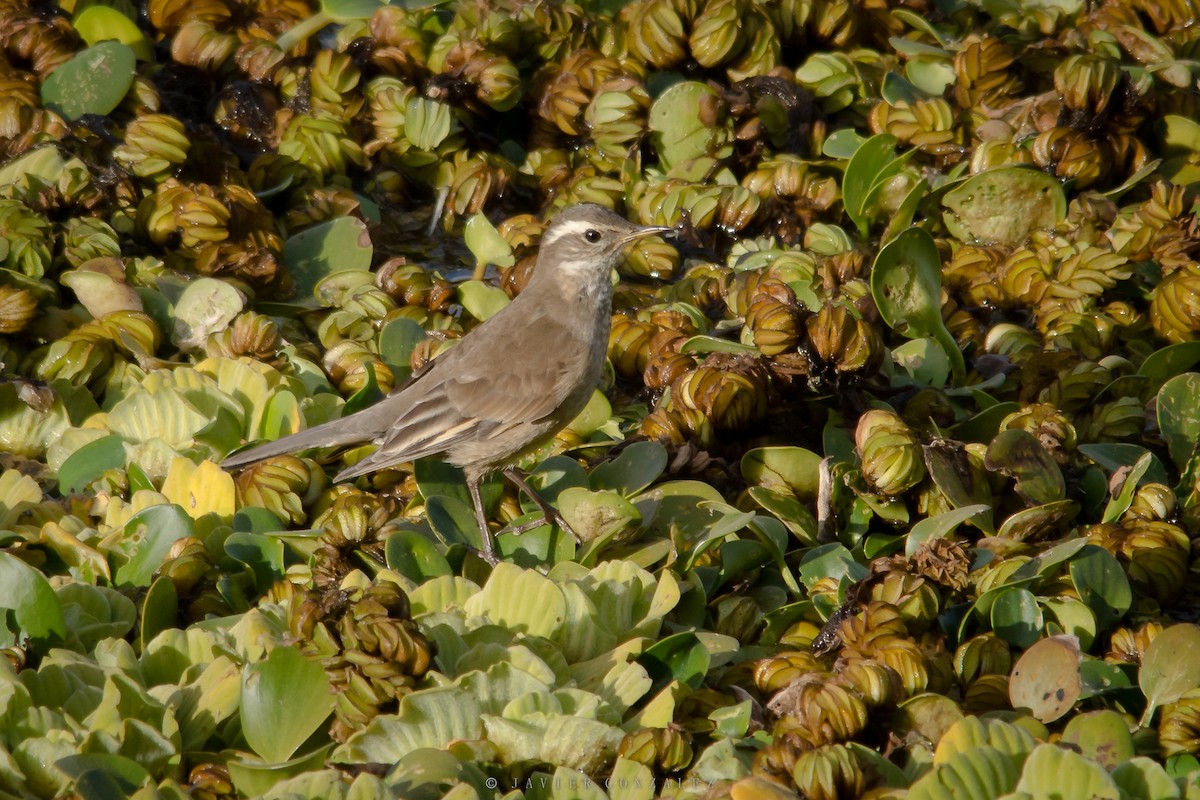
[(582, 781)]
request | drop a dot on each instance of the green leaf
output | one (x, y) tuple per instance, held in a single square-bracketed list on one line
[(101, 23), (35, 606), (871, 164), (261, 553), (1101, 584), (792, 470), (150, 534), (1052, 772), (90, 461), (397, 340), (637, 466), (521, 599), (924, 360), (427, 718), (842, 144), (681, 657), (1113, 456), (677, 130), (1003, 206), (284, 701), (94, 81), (1179, 416), (486, 243), (480, 300), (1019, 454), (415, 557), (982, 772), (906, 283), (1170, 667), (1139, 776), (1169, 361), (1016, 616), (939, 526), (1102, 736), (319, 251)]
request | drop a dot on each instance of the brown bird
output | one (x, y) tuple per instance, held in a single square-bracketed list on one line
[(511, 383)]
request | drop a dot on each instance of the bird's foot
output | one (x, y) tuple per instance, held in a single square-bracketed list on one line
[(550, 516)]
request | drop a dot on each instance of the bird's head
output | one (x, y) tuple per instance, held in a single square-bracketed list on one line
[(586, 239)]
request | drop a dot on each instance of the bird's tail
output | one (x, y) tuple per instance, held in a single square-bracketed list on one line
[(354, 429)]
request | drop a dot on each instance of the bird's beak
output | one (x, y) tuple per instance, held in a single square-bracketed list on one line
[(649, 230)]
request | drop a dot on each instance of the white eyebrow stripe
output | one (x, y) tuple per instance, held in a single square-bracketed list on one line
[(561, 229)]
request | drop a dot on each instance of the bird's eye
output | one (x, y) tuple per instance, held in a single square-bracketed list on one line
[(592, 235)]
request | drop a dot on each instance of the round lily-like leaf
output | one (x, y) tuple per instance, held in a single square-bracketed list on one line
[(101, 23), (679, 132), (681, 657), (906, 283), (99, 293), (1046, 678), (34, 606), (1002, 206), (415, 557), (313, 253), (206, 306), (1018, 454), (93, 82), (1039, 521), (90, 462), (480, 300), (285, 698), (1169, 361), (1170, 667), (1016, 616), (1101, 584), (793, 470), (486, 243), (597, 515), (1101, 736), (1179, 416), (638, 466), (150, 534)]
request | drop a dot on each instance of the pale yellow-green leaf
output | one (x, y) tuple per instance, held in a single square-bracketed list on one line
[(582, 744), (659, 712), (520, 599), (981, 772), (427, 718), (630, 781), (973, 732), (591, 674), (18, 492), (207, 701), (515, 741), (26, 432), (499, 686), (569, 784), (625, 684), (1053, 772), (200, 489), (118, 512), (443, 593), (83, 560), (71, 440), (162, 416), (534, 703)]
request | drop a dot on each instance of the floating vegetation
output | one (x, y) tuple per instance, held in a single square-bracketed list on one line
[(891, 491)]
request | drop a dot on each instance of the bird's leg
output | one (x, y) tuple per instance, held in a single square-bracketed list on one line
[(489, 548), (550, 515)]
